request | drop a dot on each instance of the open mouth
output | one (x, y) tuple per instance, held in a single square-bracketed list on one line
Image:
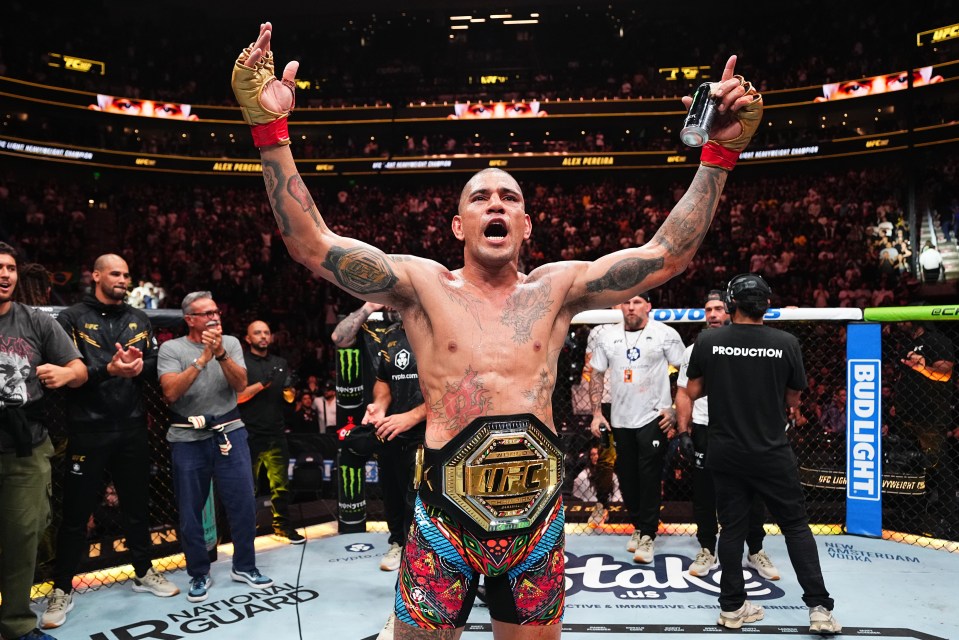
[(496, 230)]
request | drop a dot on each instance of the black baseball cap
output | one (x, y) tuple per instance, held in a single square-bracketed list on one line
[(714, 294), (644, 295)]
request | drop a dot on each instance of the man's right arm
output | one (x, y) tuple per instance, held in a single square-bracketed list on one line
[(684, 411), (358, 268), (344, 335), (382, 397), (684, 404), (596, 380)]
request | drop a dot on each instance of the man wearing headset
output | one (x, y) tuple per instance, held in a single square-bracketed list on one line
[(692, 420), (754, 375)]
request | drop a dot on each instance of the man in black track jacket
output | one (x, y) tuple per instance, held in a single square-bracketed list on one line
[(107, 431)]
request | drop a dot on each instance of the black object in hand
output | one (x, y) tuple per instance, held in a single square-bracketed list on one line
[(277, 374), (686, 447)]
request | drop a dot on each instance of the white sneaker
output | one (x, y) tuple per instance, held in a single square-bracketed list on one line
[(821, 621), (598, 516), (763, 565), (59, 604), (387, 632), (153, 582), (633, 541), (391, 559), (644, 551), (704, 563), (749, 612)]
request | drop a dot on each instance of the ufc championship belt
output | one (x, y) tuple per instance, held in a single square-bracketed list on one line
[(501, 474)]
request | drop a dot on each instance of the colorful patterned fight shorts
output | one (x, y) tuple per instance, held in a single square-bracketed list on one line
[(442, 563)]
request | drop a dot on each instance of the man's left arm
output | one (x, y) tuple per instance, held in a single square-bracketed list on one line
[(628, 272), (674, 351), (72, 374), (57, 347), (231, 363)]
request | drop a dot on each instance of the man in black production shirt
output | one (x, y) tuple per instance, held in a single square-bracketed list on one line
[(753, 375), (262, 405)]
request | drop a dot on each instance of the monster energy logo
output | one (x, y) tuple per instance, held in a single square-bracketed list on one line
[(352, 500), (349, 383), (349, 365), (351, 481)]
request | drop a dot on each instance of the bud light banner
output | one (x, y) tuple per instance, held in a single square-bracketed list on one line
[(864, 429)]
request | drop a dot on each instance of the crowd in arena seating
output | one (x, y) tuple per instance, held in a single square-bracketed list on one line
[(820, 240)]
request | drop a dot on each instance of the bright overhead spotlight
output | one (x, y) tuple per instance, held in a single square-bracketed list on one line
[(500, 16), (460, 26), (520, 21), (461, 17), (477, 19)]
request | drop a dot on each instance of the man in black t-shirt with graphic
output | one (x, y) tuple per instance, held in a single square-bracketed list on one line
[(36, 356), (399, 414), (754, 375)]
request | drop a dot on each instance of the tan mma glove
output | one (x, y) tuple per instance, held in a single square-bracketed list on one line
[(269, 128), (724, 153)]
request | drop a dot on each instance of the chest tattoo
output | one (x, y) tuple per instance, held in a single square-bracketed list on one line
[(528, 304)]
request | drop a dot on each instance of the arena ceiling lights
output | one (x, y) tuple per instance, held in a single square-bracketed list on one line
[(463, 22)]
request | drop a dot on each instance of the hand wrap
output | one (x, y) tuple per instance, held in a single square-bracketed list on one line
[(723, 154), (268, 127)]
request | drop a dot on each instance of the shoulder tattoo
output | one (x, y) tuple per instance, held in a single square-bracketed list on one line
[(625, 274), (360, 270)]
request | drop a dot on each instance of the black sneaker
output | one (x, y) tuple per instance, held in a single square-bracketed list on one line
[(290, 535)]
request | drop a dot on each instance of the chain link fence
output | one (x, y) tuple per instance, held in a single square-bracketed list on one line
[(920, 443), (920, 455)]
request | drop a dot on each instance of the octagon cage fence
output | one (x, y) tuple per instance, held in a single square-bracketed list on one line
[(919, 503)]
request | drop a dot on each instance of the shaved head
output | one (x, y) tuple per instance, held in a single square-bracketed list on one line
[(106, 259), (468, 188), (256, 325)]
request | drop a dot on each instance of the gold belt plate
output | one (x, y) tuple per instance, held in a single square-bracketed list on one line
[(505, 475)]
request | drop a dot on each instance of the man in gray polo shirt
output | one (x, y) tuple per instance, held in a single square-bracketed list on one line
[(200, 375)]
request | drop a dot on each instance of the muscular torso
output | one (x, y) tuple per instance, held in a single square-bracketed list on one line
[(486, 351)]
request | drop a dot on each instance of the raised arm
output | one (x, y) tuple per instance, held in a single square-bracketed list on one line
[(623, 274), (344, 335), (363, 270)]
